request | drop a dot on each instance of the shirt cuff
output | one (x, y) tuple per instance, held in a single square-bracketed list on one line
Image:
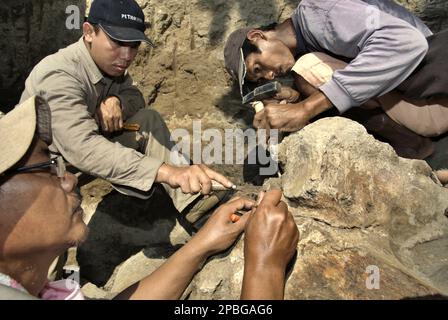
[(147, 170), (340, 98)]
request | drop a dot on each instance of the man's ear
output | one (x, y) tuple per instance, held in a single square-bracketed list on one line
[(254, 35), (88, 31)]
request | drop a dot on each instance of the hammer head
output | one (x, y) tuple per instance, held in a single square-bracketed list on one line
[(265, 91)]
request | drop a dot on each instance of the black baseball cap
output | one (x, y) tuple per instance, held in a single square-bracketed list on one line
[(234, 56), (122, 20)]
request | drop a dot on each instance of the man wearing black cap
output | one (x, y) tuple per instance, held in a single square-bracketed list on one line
[(90, 94), (378, 44)]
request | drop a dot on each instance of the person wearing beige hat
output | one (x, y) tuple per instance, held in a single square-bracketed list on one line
[(40, 208), (346, 54), (41, 216)]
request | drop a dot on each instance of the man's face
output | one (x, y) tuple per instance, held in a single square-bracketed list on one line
[(39, 212), (274, 60), (112, 57)]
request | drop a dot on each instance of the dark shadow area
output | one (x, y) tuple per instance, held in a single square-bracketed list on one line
[(435, 15), (31, 30), (121, 227), (430, 297), (290, 266), (230, 104), (253, 172)]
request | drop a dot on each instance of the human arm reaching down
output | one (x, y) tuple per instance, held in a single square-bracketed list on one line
[(270, 241), (171, 279)]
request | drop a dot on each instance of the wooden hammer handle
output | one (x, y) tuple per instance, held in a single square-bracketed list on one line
[(131, 127)]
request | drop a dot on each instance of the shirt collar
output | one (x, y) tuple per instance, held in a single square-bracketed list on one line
[(93, 71)]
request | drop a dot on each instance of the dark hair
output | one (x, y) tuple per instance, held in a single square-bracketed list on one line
[(249, 48), (96, 28), (268, 27)]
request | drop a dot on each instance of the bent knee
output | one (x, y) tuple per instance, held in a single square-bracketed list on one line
[(147, 119), (149, 114)]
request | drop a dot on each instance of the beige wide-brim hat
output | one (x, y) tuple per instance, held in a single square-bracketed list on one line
[(17, 130)]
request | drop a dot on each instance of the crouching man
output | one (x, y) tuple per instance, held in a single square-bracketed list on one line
[(390, 75), (92, 97)]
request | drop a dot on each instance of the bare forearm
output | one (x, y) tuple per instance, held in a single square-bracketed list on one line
[(170, 280), (316, 104), (303, 86), (263, 283)]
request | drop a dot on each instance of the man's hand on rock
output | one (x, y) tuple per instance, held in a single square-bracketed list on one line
[(110, 115), (191, 179), (271, 233), (270, 241)]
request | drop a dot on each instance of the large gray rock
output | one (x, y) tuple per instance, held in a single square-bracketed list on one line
[(359, 207), (344, 178)]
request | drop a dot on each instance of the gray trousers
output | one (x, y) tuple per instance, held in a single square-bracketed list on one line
[(153, 139)]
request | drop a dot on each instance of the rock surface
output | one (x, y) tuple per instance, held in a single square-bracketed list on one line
[(358, 206)]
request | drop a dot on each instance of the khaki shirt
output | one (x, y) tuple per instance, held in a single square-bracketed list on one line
[(74, 87)]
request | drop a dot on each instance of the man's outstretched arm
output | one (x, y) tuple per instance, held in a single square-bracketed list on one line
[(171, 279)]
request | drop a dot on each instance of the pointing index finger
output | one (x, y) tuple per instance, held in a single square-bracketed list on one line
[(213, 175), (272, 197)]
